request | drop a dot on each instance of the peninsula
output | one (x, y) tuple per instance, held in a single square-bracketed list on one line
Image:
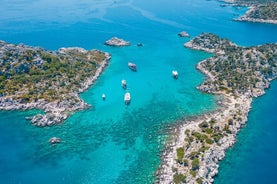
[(32, 77), (235, 73)]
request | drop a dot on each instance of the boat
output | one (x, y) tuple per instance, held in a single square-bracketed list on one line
[(103, 96), (127, 98), (139, 44), (124, 84), (175, 74), (54, 140), (132, 66)]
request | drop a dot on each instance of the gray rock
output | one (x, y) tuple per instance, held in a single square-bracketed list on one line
[(117, 42)]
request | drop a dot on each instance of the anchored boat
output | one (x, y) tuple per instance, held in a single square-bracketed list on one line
[(132, 66), (124, 84), (54, 140), (175, 74), (127, 98)]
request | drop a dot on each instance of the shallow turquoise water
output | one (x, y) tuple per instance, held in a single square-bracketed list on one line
[(110, 143)]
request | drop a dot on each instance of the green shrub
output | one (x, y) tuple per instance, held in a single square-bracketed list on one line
[(185, 162), (199, 136), (187, 132), (180, 154), (212, 121), (195, 164), (199, 180), (209, 130), (203, 125), (226, 129), (217, 137), (193, 173), (203, 149), (179, 178), (209, 141)]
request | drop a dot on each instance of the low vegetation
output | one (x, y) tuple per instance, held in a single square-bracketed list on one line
[(261, 9), (30, 74), (179, 178), (264, 11), (237, 70)]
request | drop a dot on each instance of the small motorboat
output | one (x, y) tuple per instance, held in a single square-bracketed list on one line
[(54, 140), (127, 98), (175, 74), (124, 84), (103, 96), (132, 66)]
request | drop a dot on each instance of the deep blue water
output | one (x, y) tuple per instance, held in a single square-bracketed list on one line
[(253, 157), (110, 143)]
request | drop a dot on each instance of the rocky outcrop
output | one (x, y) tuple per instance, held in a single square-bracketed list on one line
[(183, 34), (117, 42)]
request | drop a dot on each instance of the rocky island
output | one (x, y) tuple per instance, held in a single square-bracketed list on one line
[(32, 77), (183, 34), (117, 42), (237, 74)]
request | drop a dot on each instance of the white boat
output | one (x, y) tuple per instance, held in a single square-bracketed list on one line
[(132, 66), (127, 98), (54, 140), (175, 74), (103, 96), (124, 84)]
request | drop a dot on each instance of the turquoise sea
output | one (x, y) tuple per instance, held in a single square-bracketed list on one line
[(112, 143)]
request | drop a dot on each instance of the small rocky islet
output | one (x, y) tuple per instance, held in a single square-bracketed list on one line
[(32, 77), (117, 42), (183, 34), (237, 74)]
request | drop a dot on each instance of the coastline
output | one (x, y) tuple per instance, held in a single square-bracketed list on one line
[(252, 14), (193, 153), (211, 157), (56, 111), (109, 142), (247, 18)]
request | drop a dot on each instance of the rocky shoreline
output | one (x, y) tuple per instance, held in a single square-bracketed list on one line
[(56, 111), (258, 11), (193, 152), (216, 152), (247, 17)]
